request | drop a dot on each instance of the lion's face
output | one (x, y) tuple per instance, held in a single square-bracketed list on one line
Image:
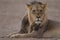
[(37, 9)]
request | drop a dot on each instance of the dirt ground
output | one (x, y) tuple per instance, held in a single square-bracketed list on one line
[(12, 11)]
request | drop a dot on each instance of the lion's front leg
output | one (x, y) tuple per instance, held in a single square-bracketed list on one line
[(16, 35), (27, 35), (13, 35)]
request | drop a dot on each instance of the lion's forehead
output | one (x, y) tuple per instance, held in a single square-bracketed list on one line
[(36, 6)]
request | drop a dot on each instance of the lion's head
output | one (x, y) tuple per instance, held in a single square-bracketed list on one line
[(36, 10)]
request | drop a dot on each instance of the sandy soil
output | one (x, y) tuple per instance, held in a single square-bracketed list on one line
[(12, 11)]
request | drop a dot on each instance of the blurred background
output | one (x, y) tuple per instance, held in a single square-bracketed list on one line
[(12, 11)]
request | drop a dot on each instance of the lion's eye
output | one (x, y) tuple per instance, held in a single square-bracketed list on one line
[(33, 10), (40, 10)]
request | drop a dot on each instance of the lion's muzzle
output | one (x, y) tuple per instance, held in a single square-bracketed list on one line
[(38, 21)]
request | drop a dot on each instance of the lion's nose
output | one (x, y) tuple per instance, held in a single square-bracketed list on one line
[(38, 16)]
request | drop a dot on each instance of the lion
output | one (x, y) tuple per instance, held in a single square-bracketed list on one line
[(34, 22)]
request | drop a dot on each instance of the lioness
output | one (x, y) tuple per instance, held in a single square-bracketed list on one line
[(34, 22)]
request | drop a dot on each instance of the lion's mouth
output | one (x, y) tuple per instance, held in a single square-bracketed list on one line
[(38, 21)]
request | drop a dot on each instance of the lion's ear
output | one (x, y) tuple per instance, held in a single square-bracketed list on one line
[(28, 6), (44, 5)]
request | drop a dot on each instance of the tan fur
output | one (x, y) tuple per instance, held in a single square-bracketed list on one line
[(30, 18)]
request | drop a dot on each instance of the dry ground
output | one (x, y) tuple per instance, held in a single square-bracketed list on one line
[(12, 11)]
